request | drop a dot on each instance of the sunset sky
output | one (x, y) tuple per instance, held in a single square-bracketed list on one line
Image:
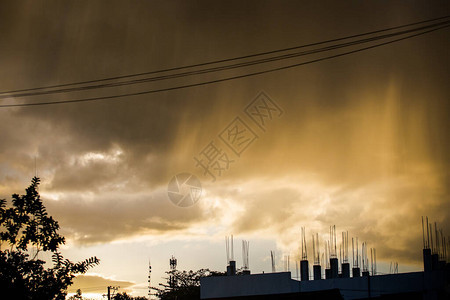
[(360, 141)]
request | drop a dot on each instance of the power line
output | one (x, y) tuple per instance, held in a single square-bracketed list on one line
[(223, 79), (217, 80), (226, 60), (222, 68)]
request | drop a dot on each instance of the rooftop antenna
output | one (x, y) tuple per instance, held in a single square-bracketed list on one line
[(245, 248), (357, 253), (272, 256), (431, 238), (423, 235), (444, 250), (317, 268), (345, 250), (229, 248), (447, 247), (331, 239), (360, 257), (316, 251), (304, 265), (333, 243), (354, 261), (373, 261), (356, 271), (286, 263), (345, 266), (393, 268), (232, 248), (304, 250), (365, 258), (428, 236), (231, 263), (330, 242), (327, 261), (437, 249)]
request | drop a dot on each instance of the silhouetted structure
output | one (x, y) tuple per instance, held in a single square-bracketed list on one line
[(429, 284), (173, 266)]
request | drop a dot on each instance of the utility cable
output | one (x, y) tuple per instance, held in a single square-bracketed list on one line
[(224, 60), (222, 68), (223, 79)]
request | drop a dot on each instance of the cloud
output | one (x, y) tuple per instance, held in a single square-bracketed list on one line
[(105, 217), (363, 143), (93, 283), (385, 214)]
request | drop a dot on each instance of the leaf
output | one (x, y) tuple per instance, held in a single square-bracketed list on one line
[(28, 223)]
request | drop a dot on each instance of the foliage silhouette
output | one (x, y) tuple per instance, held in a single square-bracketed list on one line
[(22, 274), (183, 285), (77, 296), (125, 296)]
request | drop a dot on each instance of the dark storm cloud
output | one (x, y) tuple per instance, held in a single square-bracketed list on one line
[(69, 42), (376, 116)]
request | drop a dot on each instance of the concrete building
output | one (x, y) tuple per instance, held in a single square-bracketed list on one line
[(431, 284), (416, 285)]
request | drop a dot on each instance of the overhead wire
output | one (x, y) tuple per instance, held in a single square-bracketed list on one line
[(223, 68), (228, 59), (226, 78)]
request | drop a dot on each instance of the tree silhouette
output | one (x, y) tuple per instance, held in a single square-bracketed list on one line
[(125, 296), (77, 296), (26, 223), (183, 285)]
